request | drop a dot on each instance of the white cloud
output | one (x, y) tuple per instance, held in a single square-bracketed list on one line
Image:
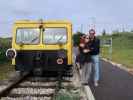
[(20, 4)]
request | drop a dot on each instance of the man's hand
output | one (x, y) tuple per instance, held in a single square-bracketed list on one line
[(86, 50), (82, 45)]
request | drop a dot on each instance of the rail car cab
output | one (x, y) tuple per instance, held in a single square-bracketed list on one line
[(41, 46)]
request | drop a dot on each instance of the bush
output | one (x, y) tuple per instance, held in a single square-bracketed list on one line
[(5, 43)]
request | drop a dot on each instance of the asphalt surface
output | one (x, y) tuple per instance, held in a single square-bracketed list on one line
[(115, 84)]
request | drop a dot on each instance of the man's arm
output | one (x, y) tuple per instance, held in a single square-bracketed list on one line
[(86, 50), (96, 46)]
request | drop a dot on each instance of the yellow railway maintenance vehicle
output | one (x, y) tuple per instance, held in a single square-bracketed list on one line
[(41, 46)]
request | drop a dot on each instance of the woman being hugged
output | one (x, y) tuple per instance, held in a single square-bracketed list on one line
[(85, 60)]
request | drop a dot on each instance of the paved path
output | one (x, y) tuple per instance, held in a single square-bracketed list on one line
[(115, 84)]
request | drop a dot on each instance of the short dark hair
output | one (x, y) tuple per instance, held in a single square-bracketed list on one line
[(92, 31)]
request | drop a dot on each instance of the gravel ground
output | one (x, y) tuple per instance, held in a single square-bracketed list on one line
[(26, 98), (32, 91), (28, 83), (2, 87), (39, 88), (35, 88), (3, 84)]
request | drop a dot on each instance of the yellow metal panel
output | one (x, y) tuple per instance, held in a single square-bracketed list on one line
[(13, 62), (69, 44), (47, 22), (41, 46)]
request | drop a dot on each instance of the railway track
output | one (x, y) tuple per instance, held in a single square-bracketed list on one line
[(34, 88), (28, 87)]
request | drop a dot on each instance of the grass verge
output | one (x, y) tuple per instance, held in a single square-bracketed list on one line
[(5, 69), (122, 49), (67, 95)]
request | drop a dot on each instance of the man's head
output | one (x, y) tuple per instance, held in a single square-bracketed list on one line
[(92, 33)]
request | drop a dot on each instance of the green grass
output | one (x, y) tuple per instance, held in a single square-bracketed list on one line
[(67, 95), (69, 92), (122, 48), (5, 70)]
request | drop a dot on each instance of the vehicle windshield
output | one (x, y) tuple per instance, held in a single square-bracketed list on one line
[(55, 36), (27, 36)]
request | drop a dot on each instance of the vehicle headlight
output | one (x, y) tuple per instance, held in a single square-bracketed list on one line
[(11, 53)]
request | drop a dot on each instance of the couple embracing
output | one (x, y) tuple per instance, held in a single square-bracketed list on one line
[(89, 49)]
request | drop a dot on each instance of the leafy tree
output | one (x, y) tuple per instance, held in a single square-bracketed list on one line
[(76, 38), (5, 43)]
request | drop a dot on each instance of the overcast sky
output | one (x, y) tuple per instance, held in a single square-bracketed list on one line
[(106, 14)]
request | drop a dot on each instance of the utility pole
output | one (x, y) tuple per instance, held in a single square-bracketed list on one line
[(81, 28), (92, 22), (123, 28)]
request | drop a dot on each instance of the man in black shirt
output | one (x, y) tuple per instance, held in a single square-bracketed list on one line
[(95, 50)]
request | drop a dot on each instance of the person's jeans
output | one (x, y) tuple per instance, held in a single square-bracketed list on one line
[(96, 65)]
